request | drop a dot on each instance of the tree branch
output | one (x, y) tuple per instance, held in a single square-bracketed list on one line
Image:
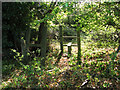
[(51, 8)]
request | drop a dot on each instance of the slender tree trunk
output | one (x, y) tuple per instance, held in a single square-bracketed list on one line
[(79, 46), (40, 32), (61, 39), (119, 39), (43, 42), (119, 43)]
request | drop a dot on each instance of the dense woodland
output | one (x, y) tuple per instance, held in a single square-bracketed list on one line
[(63, 45)]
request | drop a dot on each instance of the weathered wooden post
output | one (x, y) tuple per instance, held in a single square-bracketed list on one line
[(28, 39), (119, 38), (1, 42), (79, 47), (25, 45), (61, 38), (69, 48), (43, 44)]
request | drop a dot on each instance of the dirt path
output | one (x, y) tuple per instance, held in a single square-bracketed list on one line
[(64, 61)]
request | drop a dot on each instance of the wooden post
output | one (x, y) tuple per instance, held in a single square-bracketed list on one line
[(1, 42), (43, 44), (119, 39), (69, 48), (79, 47), (61, 38), (25, 45), (28, 40)]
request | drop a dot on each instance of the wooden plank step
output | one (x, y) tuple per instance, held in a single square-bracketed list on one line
[(71, 44), (69, 47)]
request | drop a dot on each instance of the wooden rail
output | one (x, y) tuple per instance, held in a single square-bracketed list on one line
[(69, 36), (34, 45), (69, 45)]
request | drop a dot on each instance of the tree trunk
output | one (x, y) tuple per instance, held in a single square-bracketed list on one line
[(79, 46), (119, 39), (40, 32), (43, 42), (119, 43), (61, 39)]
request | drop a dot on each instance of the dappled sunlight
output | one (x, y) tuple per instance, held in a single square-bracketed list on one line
[(61, 45)]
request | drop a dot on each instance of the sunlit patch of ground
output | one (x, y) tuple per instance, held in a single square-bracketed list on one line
[(67, 73)]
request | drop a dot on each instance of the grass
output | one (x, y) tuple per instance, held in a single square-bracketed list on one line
[(95, 61)]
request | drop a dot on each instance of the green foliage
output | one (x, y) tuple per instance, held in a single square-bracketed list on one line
[(97, 22), (13, 15), (16, 18)]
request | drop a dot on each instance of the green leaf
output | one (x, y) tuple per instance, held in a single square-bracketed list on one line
[(105, 85), (88, 76), (66, 4), (26, 66), (33, 3), (42, 73)]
